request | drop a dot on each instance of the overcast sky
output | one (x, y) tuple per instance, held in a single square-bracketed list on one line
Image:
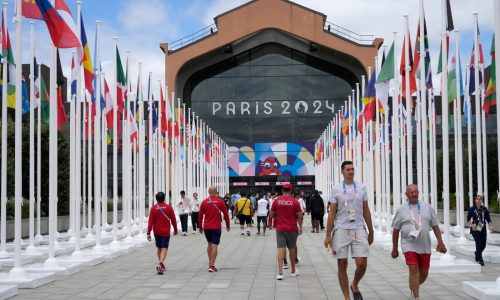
[(141, 25)]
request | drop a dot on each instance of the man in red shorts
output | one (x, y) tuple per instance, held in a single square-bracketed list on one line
[(161, 216), (287, 214), (209, 220), (414, 220)]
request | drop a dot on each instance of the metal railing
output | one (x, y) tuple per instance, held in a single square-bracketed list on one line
[(363, 39), (193, 37)]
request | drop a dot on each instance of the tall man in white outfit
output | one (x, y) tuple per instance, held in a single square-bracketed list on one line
[(347, 216), (183, 209), (195, 208)]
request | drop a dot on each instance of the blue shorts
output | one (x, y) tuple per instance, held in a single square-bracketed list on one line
[(162, 241), (213, 236)]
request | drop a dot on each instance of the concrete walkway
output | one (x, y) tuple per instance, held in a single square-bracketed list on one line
[(247, 270)]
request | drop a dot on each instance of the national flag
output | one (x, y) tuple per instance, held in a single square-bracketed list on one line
[(449, 27), (452, 80), (449, 17), (74, 76), (36, 101), (121, 84), (402, 68), (383, 80), (30, 10), (88, 67), (108, 106), (490, 96), (11, 66), (164, 113), (44, 101), (61, 113), (62, 34), (25, 97), (472, 74), (369, 99), (345, 122), (154, 114)]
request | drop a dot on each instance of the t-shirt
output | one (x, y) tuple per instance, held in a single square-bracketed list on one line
[(158, 222), (404, 220), (209, 216), (286, 209), (183, 208), (302, 204), (244, 205), (195, 205), (349, 197), (262, 207)]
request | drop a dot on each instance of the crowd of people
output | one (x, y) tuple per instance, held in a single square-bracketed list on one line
[(349, 226)]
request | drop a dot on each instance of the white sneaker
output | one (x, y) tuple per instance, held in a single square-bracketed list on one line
[(296, 273), (194, 232), (279, 276), (285, 266)]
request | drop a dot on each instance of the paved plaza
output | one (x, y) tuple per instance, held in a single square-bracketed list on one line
[(247, 270)]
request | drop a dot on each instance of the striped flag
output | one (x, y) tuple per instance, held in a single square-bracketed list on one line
[(11, 66), (88, 68)]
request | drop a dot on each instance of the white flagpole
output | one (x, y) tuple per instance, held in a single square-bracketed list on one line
[(38, 236), (469, 136), (409, 132), (77, 159), (114, 96), (396, 158), (445, 133), (89, 167), (484, 147), (150, 142), (423, 110), (97, 151), (497, 74), (3, 188), (31, 244), (142, 163), (18, 271), (477, 101), (104, 168)]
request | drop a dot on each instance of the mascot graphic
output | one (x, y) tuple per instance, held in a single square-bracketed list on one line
[(269, 167)]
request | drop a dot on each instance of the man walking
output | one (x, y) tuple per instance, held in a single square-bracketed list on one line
[(262, 212), (195, 208), (287, 216), (317, 210), (209, 219), (414, 220), (347, 216), (161, 216), (183, 205), (245, 212)]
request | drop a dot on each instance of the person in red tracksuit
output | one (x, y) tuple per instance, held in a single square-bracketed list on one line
[(161, 216), (209, 220)]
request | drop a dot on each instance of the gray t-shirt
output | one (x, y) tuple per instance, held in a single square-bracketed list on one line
[(349, 197), (405, 219)]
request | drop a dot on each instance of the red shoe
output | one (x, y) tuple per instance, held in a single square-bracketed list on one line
[(163, 266), (212, 269), (159, 269)]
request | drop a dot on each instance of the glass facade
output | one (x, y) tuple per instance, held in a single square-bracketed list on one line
[(269, 94)]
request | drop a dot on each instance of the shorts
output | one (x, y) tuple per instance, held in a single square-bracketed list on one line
[(423, 260), (286, 239), (244, 219), (262, 219), (162, 241), (356, 239), (213, 236), (317, 217)]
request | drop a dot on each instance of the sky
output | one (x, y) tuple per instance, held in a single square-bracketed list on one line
[(141, 25)]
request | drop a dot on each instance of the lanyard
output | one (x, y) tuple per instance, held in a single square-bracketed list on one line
[(418, 213), (480, 218), (345, 191)]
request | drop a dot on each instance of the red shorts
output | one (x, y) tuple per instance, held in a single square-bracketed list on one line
[(421, 259)]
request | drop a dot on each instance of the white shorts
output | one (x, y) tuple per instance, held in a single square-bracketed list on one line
[(357, 239)]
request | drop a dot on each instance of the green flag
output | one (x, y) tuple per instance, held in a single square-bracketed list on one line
[(387, 70), (44, 99)]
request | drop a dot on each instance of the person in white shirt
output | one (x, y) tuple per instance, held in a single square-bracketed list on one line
[(302, 203), (195, 208), (347, 216), (183, 209), (262, 212)]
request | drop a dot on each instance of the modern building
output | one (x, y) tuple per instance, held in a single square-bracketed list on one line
[(268, 76)]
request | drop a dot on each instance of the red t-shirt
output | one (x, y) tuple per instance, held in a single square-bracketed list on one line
[(285, 209), (158, 222), (209, 215)]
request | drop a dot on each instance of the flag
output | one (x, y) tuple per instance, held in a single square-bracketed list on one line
[(452, 80), (490, 97), (164, 113), (11, 66), (369, 99), (30, 10), (25, 97), (88, 68), (108, 106), (472, 75), (383, 80), (44, 101), (402, 68), (74, 75), (449, 17), (121, 84), (61, 33), (61, 113), (345, 122), (154, 114)]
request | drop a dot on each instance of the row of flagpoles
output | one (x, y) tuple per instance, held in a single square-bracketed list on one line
[(182, 152), (378, 137)]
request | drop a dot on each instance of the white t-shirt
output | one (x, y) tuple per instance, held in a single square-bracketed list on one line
[(183, 208), (302, 204), (349, 198), (262, 207), (195, 205)]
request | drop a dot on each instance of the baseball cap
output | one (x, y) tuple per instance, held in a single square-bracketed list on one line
[(287, 186)]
